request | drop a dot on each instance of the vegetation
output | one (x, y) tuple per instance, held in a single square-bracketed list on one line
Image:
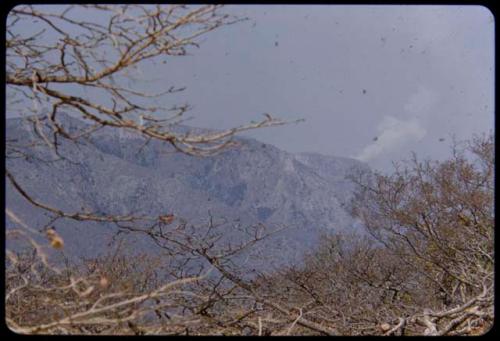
[(424, 266)]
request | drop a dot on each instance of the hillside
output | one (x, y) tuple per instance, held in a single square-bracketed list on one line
[(114, 172)]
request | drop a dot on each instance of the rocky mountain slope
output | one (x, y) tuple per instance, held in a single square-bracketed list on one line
[(114, 172)]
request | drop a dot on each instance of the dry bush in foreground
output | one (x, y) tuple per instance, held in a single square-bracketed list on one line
[(425, 267)]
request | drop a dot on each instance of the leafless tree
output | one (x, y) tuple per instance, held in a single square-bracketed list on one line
[(58, 61), (191, 285), (76, 60), (62, 56), (426, 266)]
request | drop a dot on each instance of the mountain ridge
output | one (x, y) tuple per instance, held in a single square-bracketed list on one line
[(254, 183)]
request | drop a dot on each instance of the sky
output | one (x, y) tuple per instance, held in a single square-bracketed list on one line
[(371, 82)]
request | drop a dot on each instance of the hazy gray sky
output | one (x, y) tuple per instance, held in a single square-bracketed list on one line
[(408, 75), (371, 82)]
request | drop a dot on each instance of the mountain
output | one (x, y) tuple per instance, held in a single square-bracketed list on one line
[(116, 172)]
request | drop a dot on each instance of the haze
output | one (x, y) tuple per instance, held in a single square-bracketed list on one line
[(372, 82)]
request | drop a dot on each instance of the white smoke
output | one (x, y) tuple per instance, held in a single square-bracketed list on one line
[(392, 133)]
